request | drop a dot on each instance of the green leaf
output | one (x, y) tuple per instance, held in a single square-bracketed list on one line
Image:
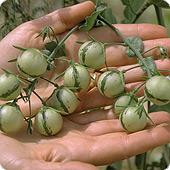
[(160, 3), (50, 46), (156, 108), (91, 20), (150, 65), (108, 15), (134, 9), (137, 43)]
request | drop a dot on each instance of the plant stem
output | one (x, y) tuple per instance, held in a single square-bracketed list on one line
[(53, 54), (140, 11), (54, 84), (42, 101), (124, 71), (159, 15), (150, 49), (137, 53)]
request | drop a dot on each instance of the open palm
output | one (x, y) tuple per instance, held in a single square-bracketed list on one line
[(95, 138)]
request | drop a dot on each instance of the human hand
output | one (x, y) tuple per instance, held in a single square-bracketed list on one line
[(84, 138)]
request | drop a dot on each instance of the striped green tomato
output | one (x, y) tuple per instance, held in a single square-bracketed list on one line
[(77, 76), (123, 102), (63, 99), (11, 118), (110, 84), (133, 119), (32, 63), (157, 90), (48, 121), (10, 87), (92, 54)]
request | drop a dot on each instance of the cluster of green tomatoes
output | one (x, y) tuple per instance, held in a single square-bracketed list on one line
[(76, 78)]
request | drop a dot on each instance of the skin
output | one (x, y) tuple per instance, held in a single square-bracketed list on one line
[(85, 140)]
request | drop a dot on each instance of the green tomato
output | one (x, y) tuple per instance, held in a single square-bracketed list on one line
[(92, 54), (63, 99), (77, 76), (157, 90), (110, 84), (11, 118), (48, 121), (123, 102), (133, 119), (10, 87), (32, 63)]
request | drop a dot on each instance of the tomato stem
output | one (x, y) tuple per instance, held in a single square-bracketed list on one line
[(54, 53), (159, 15), (137, 53)]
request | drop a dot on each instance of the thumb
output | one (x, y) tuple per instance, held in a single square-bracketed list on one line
[(42, 165), (65, 18)]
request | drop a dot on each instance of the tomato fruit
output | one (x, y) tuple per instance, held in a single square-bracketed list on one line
[(63, 99), (110, 84), (32, 63), (77, 76), (92, 54), (133, 119), (10, 87), (11, 118), (48, 121), (123, 102), (157, 90)]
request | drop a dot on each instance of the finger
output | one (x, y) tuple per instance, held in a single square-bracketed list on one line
[(64, 19), (141, 30), (116, 55), (92, 117), (111, 126), (137, 74), (94, 98), (125, 146), (43, 165)]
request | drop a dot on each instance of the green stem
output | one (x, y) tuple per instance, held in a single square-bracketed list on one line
[(124, 71), (53, 54), (54, 84), (129, 164), (137, 53), (140, 11), (42, 101), (159, 15)]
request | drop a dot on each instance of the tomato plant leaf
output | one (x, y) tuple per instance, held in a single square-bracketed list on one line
[(91, 20), (50, 46), (161, 3), (156, 108), (139, 160), (137, 44), (150, 65)]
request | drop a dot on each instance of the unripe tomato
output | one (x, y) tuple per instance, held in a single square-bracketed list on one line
[(32, 63), (92, 54), (63, 99), (123, 102), (77, 76), (11, 119), (10, 87), (48, 121), (110, 84), (133, 119), (157, 90)]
